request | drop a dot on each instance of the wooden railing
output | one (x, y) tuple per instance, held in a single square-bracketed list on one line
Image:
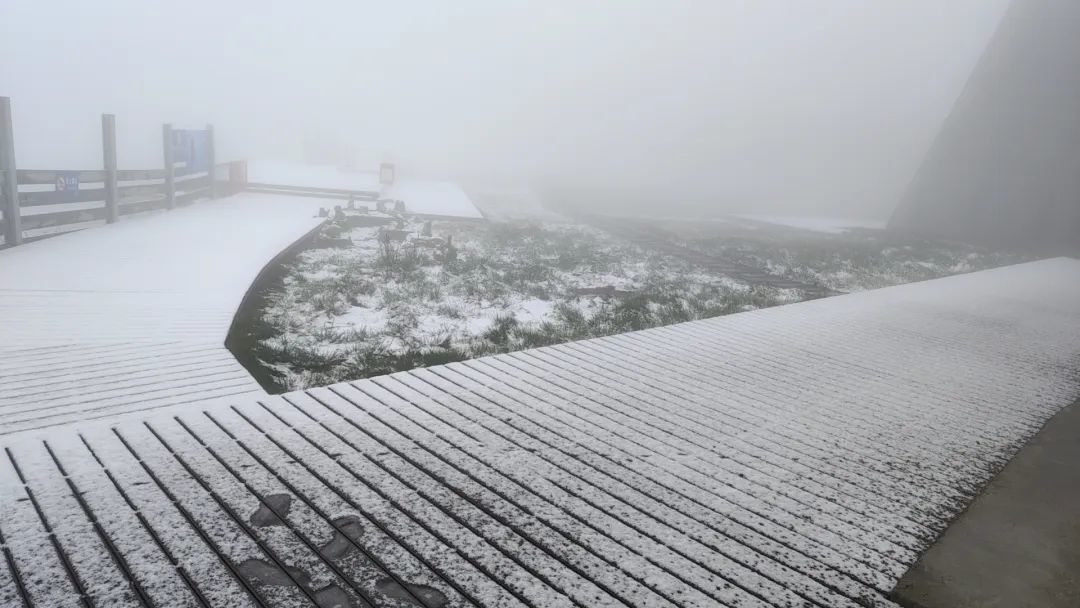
[(39, 203), (51, 202)]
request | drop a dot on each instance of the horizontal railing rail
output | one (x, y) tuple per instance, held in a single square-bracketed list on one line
[(314, 192)]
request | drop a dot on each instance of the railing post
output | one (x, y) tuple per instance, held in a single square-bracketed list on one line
[(237, 176), (108, 149), (212, 159), (10, 194), (170, 166)]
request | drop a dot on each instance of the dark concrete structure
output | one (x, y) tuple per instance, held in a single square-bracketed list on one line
[(1018, 545), (1005, 168)]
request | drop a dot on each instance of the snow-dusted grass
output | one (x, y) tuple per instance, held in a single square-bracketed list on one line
[(856, 260), (473, 289), (381, 306)]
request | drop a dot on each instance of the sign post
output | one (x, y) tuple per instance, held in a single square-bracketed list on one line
[(10, 194), (108, 142), (386, 174)]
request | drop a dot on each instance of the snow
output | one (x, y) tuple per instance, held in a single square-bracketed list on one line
[(829, 225), (141, 306), (532, 310), (510, 201), (421, 196), (372, 320), (794, 456)]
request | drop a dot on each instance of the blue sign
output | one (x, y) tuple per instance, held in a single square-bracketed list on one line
[(67, 184), (191, 150)]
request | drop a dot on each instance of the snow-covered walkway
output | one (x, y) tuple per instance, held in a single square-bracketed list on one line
[(799, 456), (134, 315)]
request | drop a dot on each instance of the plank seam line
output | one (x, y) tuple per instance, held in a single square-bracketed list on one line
[(214, 548), (80, 588), (117, 558), (311, 505), (180, 568)]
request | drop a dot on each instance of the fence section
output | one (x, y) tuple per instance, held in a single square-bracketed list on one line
[(35, 204)]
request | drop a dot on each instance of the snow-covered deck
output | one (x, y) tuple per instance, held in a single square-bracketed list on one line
[(795, 456), (134, 315)]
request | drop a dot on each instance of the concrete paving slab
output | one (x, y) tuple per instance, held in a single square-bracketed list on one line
[(1018, 545)]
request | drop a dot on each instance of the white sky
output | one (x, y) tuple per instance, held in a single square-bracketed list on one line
[(786, 106)]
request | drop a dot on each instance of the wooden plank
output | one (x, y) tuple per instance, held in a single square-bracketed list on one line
[(170, 166), (336, 197), (139, 174), (63, 217), (140, 190), (210, 152), (9, 197), (191, 195), (83, 296), (142, 206), (48, 176), (185, 181), (37, 234), (108, 143), (52, 197), (696, 464)]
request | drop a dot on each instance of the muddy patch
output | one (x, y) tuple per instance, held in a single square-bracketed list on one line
[(268, 516), (429, 597), (264, 573), (268, 573), (350, 531)]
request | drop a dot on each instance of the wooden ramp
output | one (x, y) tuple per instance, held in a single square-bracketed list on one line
[(134, 315), (800, 456)]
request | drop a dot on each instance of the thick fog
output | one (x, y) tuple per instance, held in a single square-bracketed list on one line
[(771, 106)]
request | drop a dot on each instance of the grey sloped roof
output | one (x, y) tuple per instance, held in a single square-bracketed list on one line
[(796, 456)]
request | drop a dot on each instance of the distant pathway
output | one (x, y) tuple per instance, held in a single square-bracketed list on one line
[(133, 316)]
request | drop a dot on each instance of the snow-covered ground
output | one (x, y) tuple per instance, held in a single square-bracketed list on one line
[(431, 197), (799, 457), (510, 201)]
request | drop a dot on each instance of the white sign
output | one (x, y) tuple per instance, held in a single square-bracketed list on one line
[(386, 174)]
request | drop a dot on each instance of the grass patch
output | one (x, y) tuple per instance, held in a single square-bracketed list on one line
[(399, 299)]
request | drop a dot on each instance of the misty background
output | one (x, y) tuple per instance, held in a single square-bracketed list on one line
[(674, 107)]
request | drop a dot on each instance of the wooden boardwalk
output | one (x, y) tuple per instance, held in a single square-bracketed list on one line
[(799, 456), (134, 315)]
